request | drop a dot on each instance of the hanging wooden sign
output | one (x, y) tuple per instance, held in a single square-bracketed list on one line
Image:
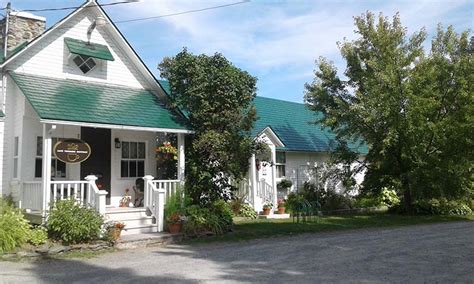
[(72, 151)]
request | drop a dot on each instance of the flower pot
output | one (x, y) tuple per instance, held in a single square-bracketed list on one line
[(281, 210), (266, 211), (175, 228), (114, 234)]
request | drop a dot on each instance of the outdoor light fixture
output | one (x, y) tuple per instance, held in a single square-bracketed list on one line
[(98, 22), (118, 144)]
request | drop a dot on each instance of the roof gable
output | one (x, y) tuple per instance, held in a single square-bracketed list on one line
[(110, 32)]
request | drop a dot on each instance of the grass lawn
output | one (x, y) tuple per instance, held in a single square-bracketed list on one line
[(262, 228)]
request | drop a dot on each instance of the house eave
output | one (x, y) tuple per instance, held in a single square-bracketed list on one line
[(115, 126)]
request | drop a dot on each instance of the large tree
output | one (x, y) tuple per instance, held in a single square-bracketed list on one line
[(217, 98), (414, 109)]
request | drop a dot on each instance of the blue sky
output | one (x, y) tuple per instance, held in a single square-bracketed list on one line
[(275, 40)]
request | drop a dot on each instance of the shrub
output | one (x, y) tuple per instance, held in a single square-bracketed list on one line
[(71, 222), (38, 236), (216, 218), (441, 206), (14, 228), (247, 211), (236, 204), (388, 197)]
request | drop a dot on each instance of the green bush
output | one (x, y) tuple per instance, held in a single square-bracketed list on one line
[(247, 211), (327, 199), (174, 207), (38, 236), (216, 218), (441, 206), (14, 228), (387, 197), (71, 222)]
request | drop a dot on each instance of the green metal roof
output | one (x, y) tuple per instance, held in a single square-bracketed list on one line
[(294, 124), (95, 50), (2, 114), (79, 101)]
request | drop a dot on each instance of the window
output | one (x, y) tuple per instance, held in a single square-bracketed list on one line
[(58, 168), (280, 164), (133, 159), (85, 63), (16, 150)]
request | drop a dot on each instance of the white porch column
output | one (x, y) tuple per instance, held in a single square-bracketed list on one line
[(274, 183), (46, 177), (253, 181), (181, 157)]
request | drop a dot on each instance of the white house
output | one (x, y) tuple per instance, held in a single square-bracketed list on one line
[(80, 116), (80, 82)]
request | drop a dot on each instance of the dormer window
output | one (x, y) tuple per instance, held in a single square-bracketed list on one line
[(87, 55), (85, 63)]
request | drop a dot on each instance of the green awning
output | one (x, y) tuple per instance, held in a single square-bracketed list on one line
[(79, 101), (95, 50)]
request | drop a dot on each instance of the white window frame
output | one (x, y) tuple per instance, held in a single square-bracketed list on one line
[(129, 159), (277, 165), (54, 160)]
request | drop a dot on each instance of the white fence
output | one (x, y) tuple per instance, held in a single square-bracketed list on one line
[(169, 186)]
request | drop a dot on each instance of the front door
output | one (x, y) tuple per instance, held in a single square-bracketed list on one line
[(99, 162)]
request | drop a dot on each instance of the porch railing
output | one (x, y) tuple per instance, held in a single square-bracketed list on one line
[(154, 201), (84, 192), (244, 190), (265, 191), (170, 187)]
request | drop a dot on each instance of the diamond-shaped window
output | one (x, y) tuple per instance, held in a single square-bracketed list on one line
[(85, 63)]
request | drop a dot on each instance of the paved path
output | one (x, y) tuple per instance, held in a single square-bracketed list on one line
[(442, 253)]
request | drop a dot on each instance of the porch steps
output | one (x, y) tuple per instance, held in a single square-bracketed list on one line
[(136, 220)]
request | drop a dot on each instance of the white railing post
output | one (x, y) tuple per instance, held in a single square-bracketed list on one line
[(159, 201), (99, 197), (102, 202), (147, 190)]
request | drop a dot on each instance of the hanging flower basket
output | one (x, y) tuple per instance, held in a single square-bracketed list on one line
[(166, 152)]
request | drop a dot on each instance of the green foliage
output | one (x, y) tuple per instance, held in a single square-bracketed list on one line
[(268, 205), (38, 236), (328, 199), (215, 218), (285, 184), (388, 197), (14, 228), (247, 211), (413, 110), (174, 207), (217, 98), (440, 206), (262, 151), (71, 222)]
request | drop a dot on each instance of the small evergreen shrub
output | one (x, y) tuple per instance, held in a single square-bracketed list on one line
[(71, 222), (14, 228)]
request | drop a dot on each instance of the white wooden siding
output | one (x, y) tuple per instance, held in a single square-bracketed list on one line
[(50, 56)]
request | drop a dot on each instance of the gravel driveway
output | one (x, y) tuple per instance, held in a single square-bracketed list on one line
[(442, 253)]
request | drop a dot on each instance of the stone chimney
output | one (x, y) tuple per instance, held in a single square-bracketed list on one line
[(22, 27)]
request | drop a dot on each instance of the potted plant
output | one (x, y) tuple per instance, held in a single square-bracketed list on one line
[(175, 223), (126, 199), (281, 206), (266, 208), (114, 230)]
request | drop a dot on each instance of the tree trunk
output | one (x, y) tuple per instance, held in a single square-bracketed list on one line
[(407, 198)]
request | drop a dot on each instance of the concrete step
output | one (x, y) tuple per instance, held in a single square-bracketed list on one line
[(133, 222), (119, 215), (139, 229)]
